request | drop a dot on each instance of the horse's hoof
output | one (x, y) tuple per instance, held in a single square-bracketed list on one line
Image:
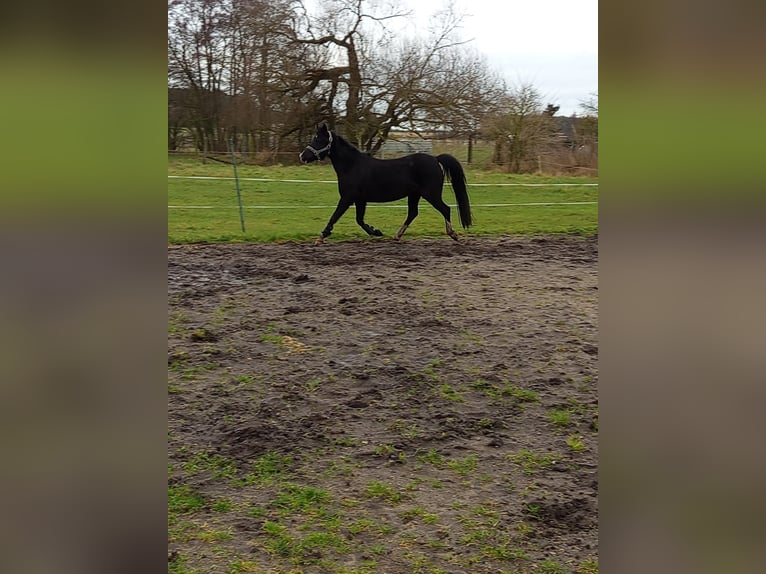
[(377, 233), (319, 241)]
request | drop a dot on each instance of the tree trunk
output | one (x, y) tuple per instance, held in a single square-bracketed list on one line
[(354, 91)]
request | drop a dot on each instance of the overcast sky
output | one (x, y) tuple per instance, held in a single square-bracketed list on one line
[(552, 44)]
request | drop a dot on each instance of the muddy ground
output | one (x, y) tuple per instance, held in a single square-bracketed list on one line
[(383, 406)]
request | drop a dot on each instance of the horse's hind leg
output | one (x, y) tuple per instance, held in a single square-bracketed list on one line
[(361, 206), (412, 213), (443, 208)]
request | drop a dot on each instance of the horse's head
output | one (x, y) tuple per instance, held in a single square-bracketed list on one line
[(319, 148)]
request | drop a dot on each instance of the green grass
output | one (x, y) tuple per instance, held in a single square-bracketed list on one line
[(532, 462), (266, 468), (182, 500), (219, 466), (589, 566), (575, 442), (560, 417), (464, 466), (383, 491), (295, 498), (178, 566), (502, 392), (301, 221), (549, 566), (431, 457)]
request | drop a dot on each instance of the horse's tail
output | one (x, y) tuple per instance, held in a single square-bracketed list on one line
[(454, 172)]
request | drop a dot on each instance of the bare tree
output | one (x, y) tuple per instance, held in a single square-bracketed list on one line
[(384, 81), (585, 142), (197, 48), (521, 129), (261, 62), (265, 71), (590, 105), (342, 30)]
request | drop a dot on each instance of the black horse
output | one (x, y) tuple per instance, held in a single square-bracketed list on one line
[(363, 179)]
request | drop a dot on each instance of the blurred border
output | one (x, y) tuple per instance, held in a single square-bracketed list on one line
[(682, 273), (83, 241)]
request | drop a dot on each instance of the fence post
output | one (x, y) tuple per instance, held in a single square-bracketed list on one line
[(236, 180)]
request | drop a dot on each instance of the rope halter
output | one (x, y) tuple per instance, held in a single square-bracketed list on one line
[(321, 150)]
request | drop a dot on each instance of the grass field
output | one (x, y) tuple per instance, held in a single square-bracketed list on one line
[(206, 210)]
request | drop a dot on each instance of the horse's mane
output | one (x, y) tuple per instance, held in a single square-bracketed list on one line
[(345, 143)]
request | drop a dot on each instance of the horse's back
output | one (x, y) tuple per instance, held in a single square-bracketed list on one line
[(420, 169), (381, 180)]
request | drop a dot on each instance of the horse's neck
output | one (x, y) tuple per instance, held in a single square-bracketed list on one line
[(345, 155)]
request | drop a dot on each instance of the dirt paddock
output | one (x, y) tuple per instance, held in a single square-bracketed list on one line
[(381, 406)]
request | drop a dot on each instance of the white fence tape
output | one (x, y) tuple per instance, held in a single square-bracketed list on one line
[(552, 184), (375, 205)]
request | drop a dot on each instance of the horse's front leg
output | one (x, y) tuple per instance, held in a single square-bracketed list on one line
[(343, 205), (361, 207)]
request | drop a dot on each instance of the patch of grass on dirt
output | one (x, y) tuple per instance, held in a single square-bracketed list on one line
[(530, 462), (550, 566), (245, 380), (206, 534), (431, 456), (203, 334), (284, 341), (589, 566), (377, 489), (177, 565), (472, 337), (222, 505), (312, 385), (182, 499), (184, 372), (279, 541), (176, 322), (575, 442), (296, 498), (385, 450), (504, 392), (420, 513), (524, 529), (522, 395), (449, 392), (560, 417), (345, 441), (303, 529), (481, 535), (239, 566), (464, 466), (343, 467), (271, 465), (404, 429), (429, 371), (219, 466)]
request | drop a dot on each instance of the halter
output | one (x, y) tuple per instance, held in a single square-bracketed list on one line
[(324, 149)]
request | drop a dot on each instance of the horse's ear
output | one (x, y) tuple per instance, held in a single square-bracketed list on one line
[(322, 127)]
